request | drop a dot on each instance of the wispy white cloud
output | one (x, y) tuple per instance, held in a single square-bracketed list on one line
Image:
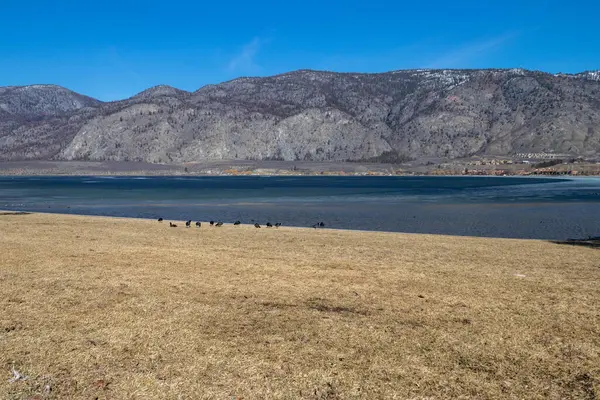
[(463, 56), (245, 60)]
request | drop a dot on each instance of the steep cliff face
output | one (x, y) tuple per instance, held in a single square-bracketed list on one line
[(321, 116)]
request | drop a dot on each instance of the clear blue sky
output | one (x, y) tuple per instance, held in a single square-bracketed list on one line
[(113, 49)]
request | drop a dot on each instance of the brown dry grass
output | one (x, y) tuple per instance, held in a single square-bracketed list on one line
[(130, 309)]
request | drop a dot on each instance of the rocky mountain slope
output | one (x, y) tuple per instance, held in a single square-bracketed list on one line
[(39, 121), (312, 115)]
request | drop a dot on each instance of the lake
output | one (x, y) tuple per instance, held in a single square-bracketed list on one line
[(512, 207)]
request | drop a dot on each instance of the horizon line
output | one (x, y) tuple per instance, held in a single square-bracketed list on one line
[(307, 70)]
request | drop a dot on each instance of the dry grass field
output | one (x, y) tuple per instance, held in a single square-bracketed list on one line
[(106, 308)]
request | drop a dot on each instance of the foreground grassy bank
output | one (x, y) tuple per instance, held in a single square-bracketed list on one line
[(105, 308)]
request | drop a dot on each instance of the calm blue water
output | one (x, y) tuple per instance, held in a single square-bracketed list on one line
[(477, 206)]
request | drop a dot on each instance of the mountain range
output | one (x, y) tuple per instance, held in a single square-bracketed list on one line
[(312, 115)]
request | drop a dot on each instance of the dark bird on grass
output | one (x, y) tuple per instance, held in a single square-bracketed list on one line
[(212, 223), (277, 224), (219, 223), (322, 225), (172, 225), (269, 225), (160, 220), (315, 226), (237, 223), (256, 225), (198, 224), (188, 223)]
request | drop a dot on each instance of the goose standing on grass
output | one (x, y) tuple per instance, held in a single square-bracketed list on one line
[(277, 224), (269, 225), (160, 220), (236, 223), (172, 225), (212, 223), (188, 223), (256, 225), (198, 224), (219, 224)]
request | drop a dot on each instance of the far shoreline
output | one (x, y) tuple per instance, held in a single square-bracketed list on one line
[(149, 176), (450, 168)]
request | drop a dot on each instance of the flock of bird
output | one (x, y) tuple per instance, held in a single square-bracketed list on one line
[(188, 224)]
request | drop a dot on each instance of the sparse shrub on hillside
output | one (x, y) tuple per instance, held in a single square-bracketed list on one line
[(546, 164), (387, 157)]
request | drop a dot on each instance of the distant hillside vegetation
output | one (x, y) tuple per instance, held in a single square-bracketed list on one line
[(312, 115)]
